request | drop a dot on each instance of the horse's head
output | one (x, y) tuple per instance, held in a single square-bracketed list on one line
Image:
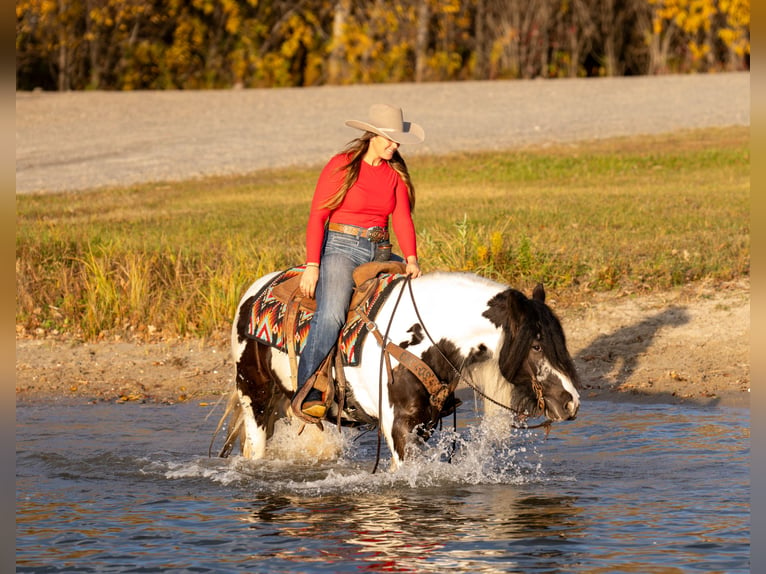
[(533, 356)]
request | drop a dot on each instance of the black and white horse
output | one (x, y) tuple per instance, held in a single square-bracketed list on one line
[(508, 346)]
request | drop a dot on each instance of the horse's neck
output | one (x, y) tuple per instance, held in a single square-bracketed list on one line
[(456, 303), (452, 306), (487, 378)]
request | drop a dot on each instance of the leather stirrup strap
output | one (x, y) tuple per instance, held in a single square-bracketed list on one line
[(321, 380), (288, 325)]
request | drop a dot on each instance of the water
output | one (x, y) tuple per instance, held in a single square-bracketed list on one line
[(624, 488)]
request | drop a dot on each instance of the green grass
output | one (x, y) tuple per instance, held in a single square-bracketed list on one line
[(638, 214)]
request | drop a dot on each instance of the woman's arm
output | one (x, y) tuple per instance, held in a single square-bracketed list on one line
[(401, 218)]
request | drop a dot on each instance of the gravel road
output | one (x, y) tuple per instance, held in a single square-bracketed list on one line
[(85, 140)]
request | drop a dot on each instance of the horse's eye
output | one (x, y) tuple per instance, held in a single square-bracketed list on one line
[(536, 347)]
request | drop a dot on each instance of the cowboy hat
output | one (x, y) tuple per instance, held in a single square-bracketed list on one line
[(388, 121)]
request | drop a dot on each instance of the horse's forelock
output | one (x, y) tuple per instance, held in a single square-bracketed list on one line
[(514, 350)]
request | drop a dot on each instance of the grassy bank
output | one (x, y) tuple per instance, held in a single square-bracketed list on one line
[(634, 214)]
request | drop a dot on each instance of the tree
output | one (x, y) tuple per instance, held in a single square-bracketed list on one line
[(735, 33), (197, 44)]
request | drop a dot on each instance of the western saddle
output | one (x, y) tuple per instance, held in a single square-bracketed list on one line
[(366, 280)]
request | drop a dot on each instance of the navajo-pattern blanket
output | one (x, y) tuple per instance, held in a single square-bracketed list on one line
[(267, 317)]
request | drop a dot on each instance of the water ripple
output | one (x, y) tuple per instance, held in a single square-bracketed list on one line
[(625, 488)]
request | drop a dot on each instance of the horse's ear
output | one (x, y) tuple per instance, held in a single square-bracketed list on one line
[(539, 293)]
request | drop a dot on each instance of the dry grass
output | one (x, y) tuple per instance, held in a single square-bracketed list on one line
[(636, 214)]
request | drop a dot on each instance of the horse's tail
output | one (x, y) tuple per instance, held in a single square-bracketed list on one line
[(236, 416)]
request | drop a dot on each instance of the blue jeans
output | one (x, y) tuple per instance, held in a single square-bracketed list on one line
[(341, 254)]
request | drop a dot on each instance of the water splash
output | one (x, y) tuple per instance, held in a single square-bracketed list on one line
[(491, 451)]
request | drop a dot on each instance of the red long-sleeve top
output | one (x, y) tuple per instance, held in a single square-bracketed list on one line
[(378, 193)]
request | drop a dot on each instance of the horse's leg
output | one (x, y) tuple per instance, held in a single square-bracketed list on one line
[(261, 400), (411, 410), (411, 401)]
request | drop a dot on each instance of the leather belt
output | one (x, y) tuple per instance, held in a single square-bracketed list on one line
[(374, 234)]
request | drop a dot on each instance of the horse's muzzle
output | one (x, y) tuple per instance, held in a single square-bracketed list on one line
[(558, 412), (571, 408)]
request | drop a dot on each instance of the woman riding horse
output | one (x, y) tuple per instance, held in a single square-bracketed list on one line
[(460, 328), (357, 192), (466, 329)]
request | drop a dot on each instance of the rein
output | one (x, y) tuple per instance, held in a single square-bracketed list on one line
[(383, 356)]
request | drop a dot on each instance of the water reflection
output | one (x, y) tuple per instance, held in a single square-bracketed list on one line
[(424, 530)]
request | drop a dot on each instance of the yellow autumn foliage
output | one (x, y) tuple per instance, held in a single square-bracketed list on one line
[(153, 44)]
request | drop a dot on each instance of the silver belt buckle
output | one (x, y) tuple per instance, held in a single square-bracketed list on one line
[(376, 234)]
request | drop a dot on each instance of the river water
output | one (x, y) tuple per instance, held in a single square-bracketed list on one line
[(624, 488)]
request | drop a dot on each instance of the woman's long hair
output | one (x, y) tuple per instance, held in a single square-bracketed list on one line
[(356, 150)]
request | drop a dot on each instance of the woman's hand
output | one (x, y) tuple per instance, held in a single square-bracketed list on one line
[(309, 281), (413, 269)]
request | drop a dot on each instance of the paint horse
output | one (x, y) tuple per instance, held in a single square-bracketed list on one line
[(464, 328)]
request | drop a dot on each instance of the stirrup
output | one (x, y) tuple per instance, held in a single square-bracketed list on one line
[(315, 402), (314, 411)]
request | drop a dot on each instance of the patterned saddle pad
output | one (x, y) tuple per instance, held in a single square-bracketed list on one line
[(267, 314)]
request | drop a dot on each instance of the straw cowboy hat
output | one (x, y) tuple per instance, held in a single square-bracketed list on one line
[(388, 121)]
